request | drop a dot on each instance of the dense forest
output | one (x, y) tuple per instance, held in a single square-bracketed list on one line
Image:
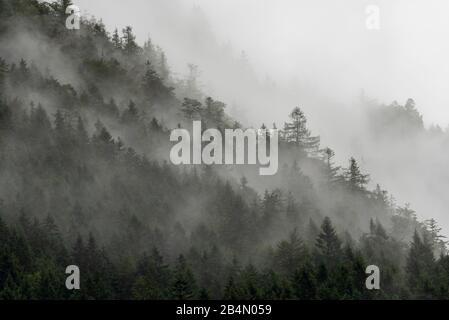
[(85, 118)]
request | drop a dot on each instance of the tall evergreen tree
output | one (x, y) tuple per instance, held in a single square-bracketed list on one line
[(421, 267), (192, 109), (296, 132), (290, 254), (357, 181), (328, 242), (184, 284), (116, 40), (331, 171), (305, 285), (129, 41)]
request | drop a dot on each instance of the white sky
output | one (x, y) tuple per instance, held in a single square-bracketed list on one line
[(322, 42)]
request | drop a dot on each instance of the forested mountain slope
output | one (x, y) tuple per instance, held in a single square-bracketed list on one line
[(85, 179)]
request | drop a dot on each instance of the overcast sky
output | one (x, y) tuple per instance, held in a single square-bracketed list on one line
[(321, 54), (322, 42)]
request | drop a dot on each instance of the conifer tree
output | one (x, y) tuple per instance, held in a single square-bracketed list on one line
[(289, 254), (129, 41), (232, 290), (328, 242), (116, 40), (305, 285), (297, 133), (331, 171), (184, 284), (131, 114), (192, 109), (420, 267), (354, 177), (437, 240)]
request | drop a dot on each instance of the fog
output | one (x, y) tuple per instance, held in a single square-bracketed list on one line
[(321, 43), (263, 57)]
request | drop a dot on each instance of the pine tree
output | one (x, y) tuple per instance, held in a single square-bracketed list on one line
[(381, 196), (116, 40), (214, 112), (129, 41), (331, 171), (354, 177), (436, 239), (420, 267), (154, 278), (250, 283), (184, 284), (232, 290), (153, 86), (380, 231), (60, 7), (192, 109), (131, 114), (304, 284), (60, 125), (297, 133), (328, 242), (289, 254)]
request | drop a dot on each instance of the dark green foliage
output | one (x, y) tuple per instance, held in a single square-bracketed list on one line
[(305, 285), (297, 133), (356, 180), (420, 267), (129, 41), (83, 181), (328, 242), (184, 285)]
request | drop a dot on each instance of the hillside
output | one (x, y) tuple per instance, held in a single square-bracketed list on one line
[(85, 118)]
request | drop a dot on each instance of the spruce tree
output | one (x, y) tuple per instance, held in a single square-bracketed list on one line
[(420, 267), (184, 284), (297, 133), (331, 171), (129, 41), (116, 40), (289, 254), (304, 283), (328, 242), (192, 109), (354, 177)]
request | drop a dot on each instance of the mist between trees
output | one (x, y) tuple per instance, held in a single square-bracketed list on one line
[(254, 146), (85, 120)]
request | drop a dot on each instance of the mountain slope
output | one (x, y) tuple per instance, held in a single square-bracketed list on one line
[(85, 180)]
